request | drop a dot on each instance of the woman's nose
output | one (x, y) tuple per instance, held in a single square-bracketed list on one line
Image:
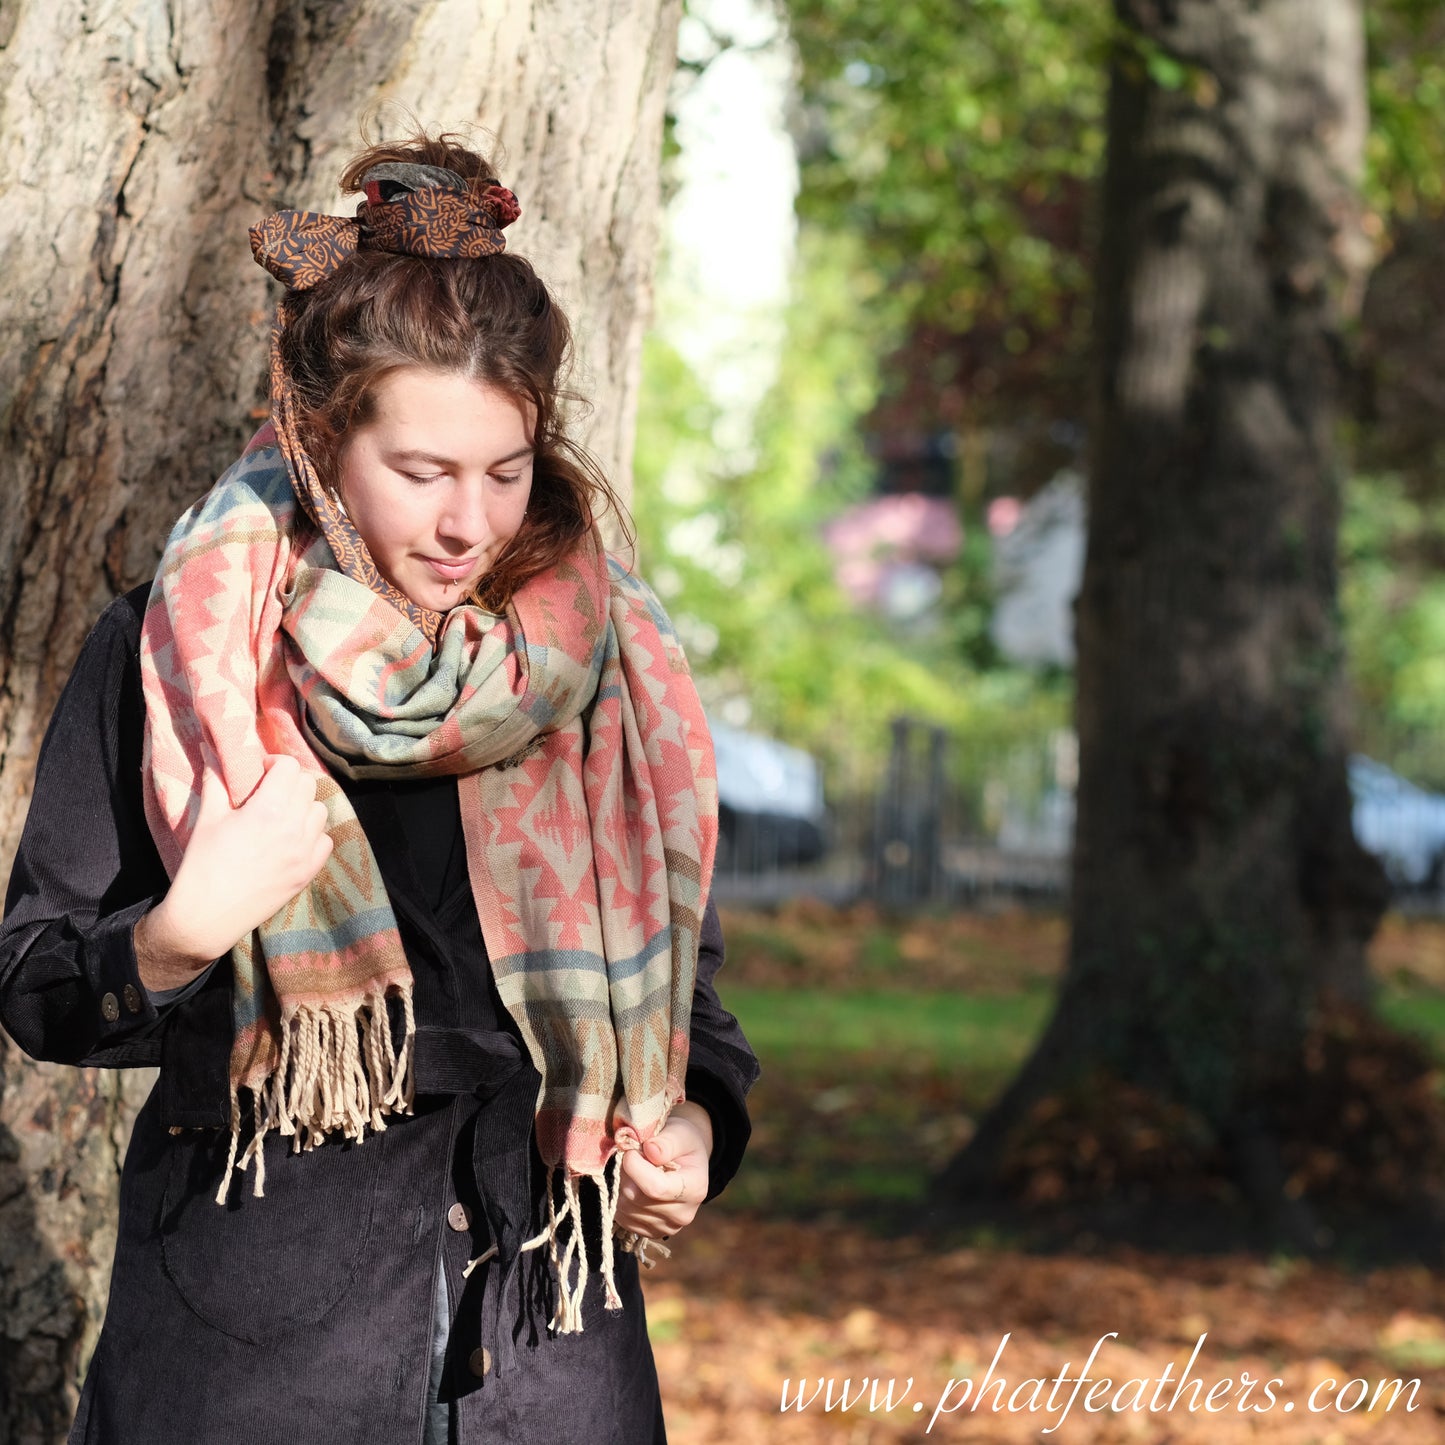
[(463, 519)]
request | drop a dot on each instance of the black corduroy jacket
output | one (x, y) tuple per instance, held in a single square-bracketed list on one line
[(309, 1314)]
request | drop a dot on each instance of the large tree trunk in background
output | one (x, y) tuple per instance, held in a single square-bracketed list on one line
[(1220, 903), (139, 142)]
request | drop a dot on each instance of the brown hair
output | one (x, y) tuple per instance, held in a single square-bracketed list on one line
[(491, 319)]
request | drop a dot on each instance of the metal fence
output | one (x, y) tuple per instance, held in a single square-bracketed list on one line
[(924, 832), (937, 827)]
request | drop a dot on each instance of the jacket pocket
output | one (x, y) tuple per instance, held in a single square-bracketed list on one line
[(256, 1268)]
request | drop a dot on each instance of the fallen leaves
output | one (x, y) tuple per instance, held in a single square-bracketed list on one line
[(751, 1302), (778, 1282)]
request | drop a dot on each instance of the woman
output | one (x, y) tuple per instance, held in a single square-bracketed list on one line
[(391, 738)]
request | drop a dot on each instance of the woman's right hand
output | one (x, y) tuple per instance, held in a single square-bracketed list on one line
[(240, 867)]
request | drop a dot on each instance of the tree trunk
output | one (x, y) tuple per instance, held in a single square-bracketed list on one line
[(1220, 904), (140, 141)]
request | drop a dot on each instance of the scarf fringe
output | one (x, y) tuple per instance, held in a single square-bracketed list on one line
[(567, 1316), (338, 1071)]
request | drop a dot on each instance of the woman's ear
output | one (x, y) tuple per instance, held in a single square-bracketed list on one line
[(336, 450)]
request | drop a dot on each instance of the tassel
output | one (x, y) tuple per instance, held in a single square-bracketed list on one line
[(258, 1144), (613, 1301), (337, 1072), (572, 1288), (565, 1314), (482, 1258), (226, 1173)]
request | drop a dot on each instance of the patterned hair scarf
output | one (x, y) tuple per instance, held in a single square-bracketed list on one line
[(588, 804)]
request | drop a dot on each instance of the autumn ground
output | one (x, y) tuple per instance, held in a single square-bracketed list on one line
[(880, 1045)]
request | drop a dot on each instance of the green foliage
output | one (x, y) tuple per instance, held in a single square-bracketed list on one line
[(929, 151), (1392, 596), (948, 152), (968, 595), (1406, 146), (732, 544), (959, 139), (940, 131)]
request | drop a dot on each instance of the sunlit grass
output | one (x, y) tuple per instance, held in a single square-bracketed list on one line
[(867, 1092), (803, 1028), (1416, 1010)]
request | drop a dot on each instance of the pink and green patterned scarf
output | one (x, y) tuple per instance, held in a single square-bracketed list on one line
[(588, 803)]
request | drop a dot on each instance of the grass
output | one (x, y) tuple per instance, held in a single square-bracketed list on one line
[(882, 1043), (808, 1027), (1416, 1009), (865, 1093)]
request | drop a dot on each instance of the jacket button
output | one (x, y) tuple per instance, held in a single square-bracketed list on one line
[(479, 1361), (131, 995), (109, 1008), (459, 1217)]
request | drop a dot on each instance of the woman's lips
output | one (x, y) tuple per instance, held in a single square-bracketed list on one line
[(448, 570)]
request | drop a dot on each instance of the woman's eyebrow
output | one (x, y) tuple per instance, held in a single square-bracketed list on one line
[(414, 454)]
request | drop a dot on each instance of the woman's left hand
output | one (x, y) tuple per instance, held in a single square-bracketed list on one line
[(664, 1181)]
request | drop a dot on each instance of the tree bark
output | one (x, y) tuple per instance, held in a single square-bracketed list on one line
[(1220, 902), (139, 143)]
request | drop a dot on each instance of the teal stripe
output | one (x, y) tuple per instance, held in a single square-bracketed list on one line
[(656, 1001), (352, 929), (585, 961)]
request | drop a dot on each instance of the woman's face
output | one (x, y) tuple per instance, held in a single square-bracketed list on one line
[(437, 481)]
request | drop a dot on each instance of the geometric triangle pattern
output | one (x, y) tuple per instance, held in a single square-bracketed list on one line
[(588, 797)]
